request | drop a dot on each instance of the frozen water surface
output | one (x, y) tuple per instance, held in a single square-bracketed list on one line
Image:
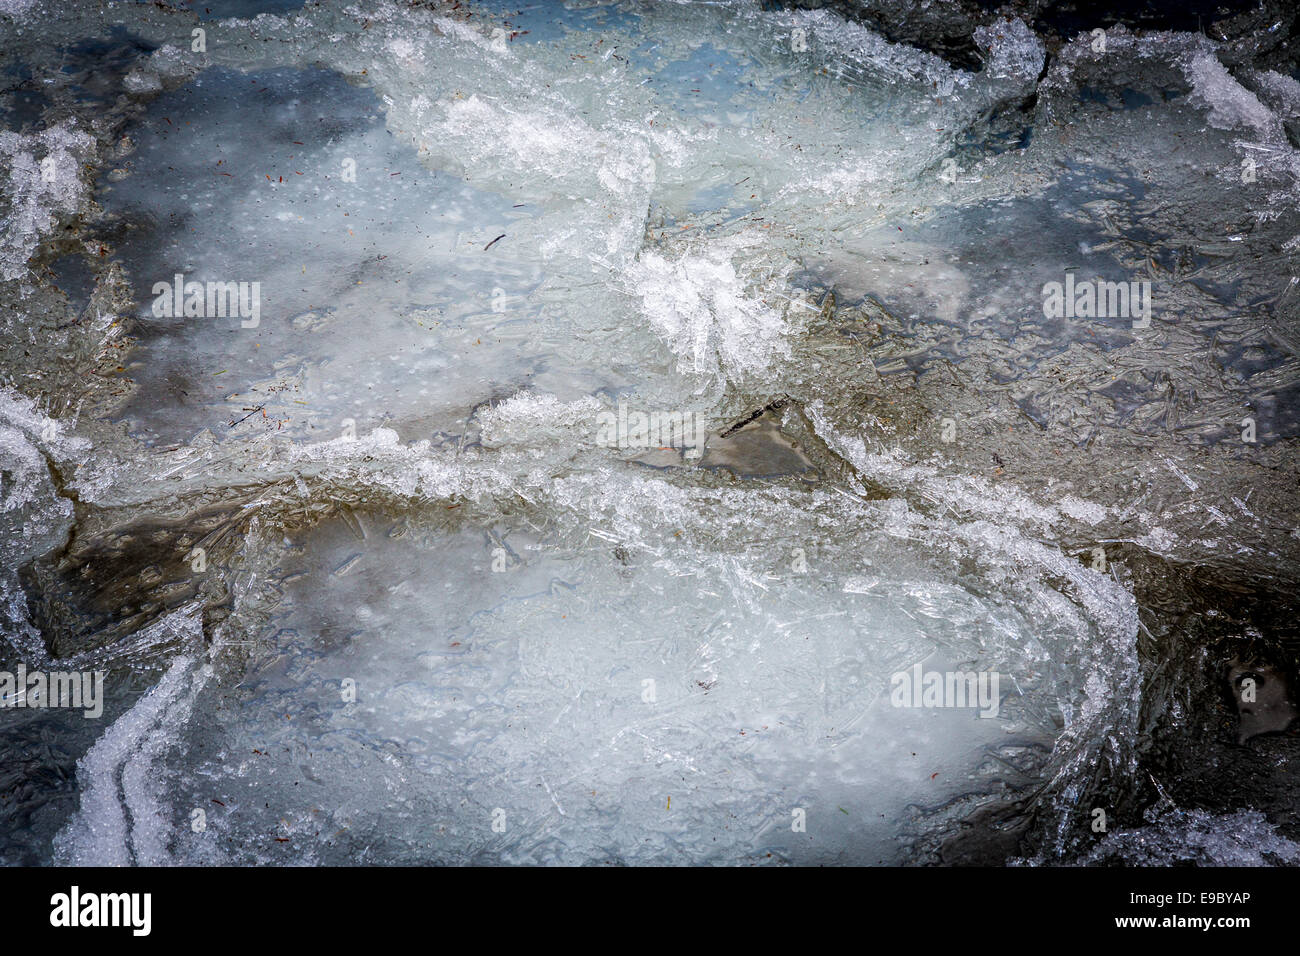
[(401, 255), (610, 708), (440, 616)]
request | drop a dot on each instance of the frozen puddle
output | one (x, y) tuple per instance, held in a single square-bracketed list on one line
[(554, 705)]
